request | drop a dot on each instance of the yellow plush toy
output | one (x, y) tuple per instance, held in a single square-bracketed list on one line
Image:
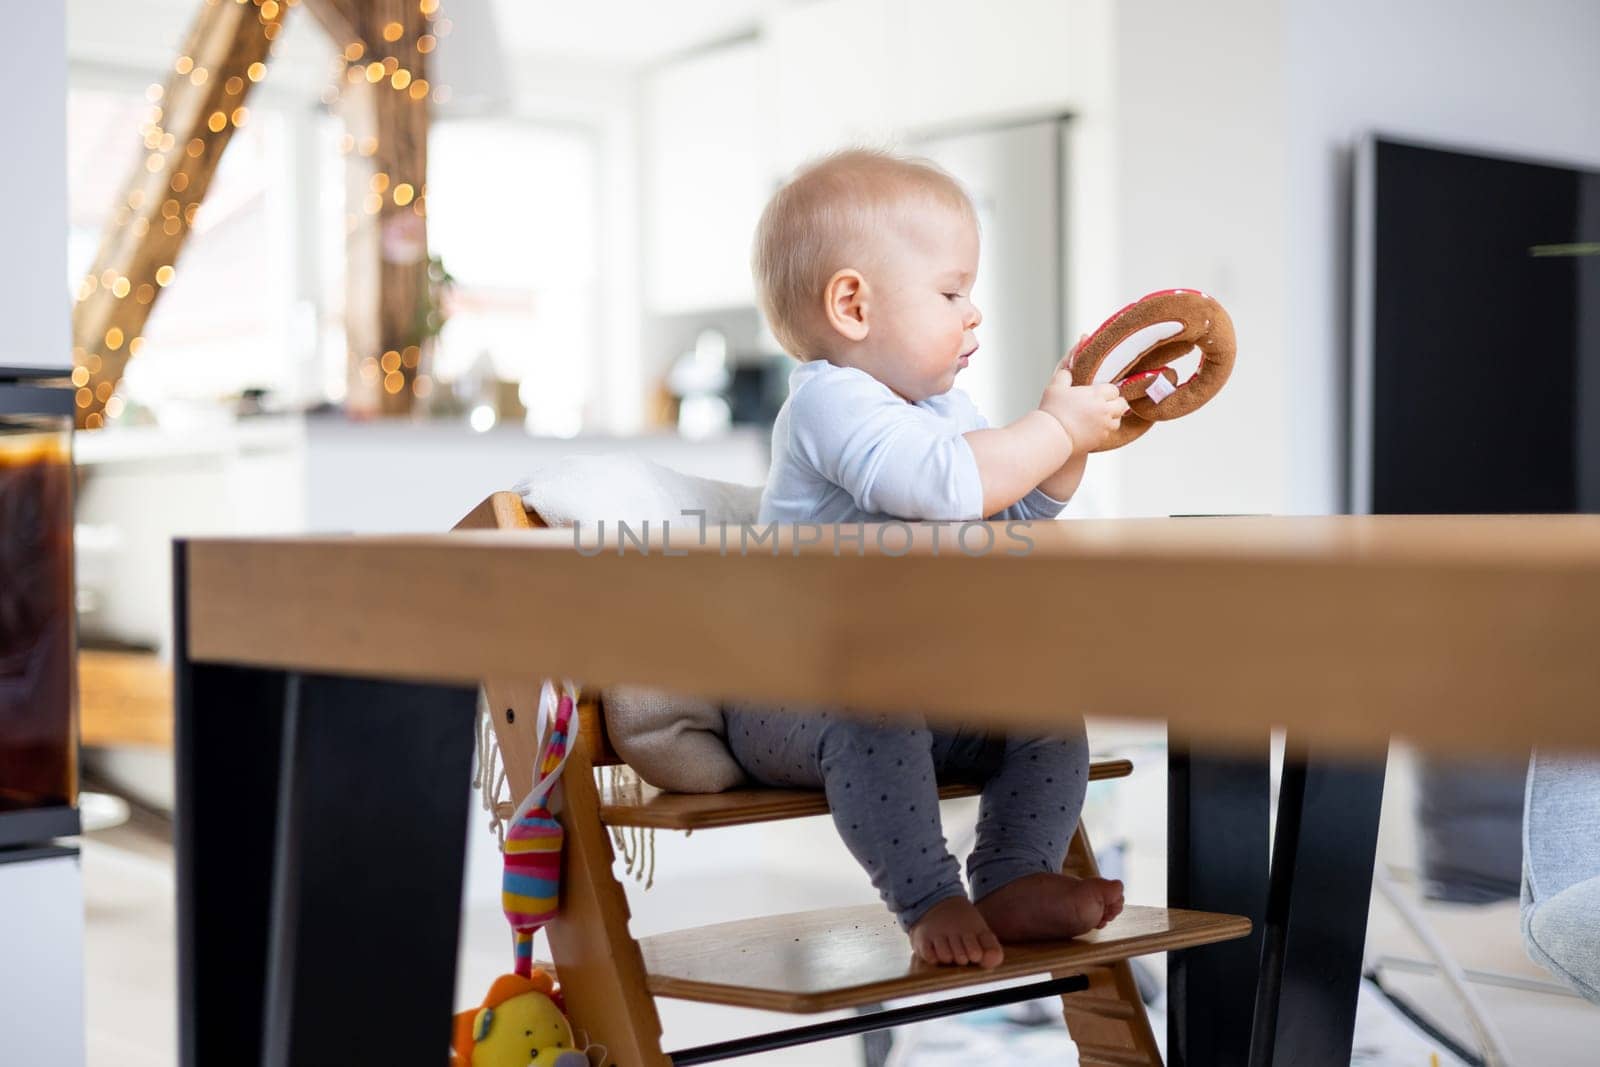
[(519, 1024)]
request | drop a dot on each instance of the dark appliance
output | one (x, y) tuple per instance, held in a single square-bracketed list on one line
[(38, 699), (1475, 388)]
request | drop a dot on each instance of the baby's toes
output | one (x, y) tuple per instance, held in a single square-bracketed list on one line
[(992, 954), (1111, 896), (941, 949)]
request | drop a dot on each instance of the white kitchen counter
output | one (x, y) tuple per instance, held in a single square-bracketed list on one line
[(143, 486), (415, 477)]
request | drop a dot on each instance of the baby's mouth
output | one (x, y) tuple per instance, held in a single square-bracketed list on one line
[(965, 356)]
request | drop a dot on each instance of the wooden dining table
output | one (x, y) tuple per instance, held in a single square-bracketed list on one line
[(326, 691)]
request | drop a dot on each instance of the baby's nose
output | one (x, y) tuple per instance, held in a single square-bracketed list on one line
[(974, 318)]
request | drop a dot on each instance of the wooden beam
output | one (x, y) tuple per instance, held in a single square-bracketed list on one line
[(189, 126), (340, 19), (384, 102)]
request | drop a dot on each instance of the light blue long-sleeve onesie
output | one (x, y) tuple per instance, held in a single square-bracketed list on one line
[(845, 448)]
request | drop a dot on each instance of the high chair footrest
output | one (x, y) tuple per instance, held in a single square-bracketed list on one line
[(634, 803), (885, 1019), (841, 958)]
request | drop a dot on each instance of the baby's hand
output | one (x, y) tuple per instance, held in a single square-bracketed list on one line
[(1066, 360), (1089, 413)]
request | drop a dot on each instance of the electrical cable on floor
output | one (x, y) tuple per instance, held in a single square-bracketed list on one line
[(1494, 1052), (1423, 1023)]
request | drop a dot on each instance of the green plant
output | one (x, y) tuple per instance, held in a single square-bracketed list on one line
[(432, 312)]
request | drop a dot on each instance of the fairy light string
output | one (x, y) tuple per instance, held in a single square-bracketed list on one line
[(191, 118)]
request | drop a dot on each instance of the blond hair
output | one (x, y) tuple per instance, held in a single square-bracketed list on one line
[(823, 220)]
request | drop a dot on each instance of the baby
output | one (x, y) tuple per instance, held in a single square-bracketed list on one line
[(865, 264)]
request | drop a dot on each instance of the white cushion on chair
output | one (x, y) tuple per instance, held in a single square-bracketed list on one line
[(673, 742), (632, 489)]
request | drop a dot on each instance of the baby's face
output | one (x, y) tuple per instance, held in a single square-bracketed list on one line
[(923, 318)]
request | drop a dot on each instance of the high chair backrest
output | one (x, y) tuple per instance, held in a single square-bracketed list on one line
[(508, 699), (598, 961)]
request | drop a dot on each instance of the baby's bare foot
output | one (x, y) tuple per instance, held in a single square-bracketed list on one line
[(1113, 903), (953, 931), (1048, 907)]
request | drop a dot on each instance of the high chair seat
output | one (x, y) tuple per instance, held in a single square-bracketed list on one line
[(632, 802), (839, 958)]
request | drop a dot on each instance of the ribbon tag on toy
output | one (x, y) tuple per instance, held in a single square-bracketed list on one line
[(1160, 389)]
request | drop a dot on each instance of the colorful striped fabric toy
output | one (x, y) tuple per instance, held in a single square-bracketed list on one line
[(531, 888)]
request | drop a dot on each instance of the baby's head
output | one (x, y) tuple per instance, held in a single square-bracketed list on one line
[(866, 259)]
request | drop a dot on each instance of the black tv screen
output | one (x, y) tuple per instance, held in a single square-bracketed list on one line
[(1476, 384)]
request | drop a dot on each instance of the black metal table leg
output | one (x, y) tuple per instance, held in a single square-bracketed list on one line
[(321, 841), (1316, 928), (372, 837), (227, 753), (1217, 819)]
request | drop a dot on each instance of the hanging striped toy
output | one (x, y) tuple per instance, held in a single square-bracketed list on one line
[(530, 890)]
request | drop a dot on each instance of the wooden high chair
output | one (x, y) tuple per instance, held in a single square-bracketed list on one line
[(806, 962)]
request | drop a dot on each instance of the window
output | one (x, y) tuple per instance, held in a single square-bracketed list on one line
[(225, 322), (512, 211), (258, 300)]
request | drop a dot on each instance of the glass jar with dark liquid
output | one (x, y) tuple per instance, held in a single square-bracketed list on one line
[(38, 749)]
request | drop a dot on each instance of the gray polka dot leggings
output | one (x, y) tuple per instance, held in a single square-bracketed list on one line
[(881, 775)]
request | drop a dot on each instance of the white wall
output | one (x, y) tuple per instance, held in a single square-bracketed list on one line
[(874, 71), (1198, 121), (723, 126), (1207, 152), (1505, 78), (1231, 174), (33, 186), (703, 122), (1177, 176), (604, 100)]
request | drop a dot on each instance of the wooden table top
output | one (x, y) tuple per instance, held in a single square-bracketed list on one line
[(1457, 633)]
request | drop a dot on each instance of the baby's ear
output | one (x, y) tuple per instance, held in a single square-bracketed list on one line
[(844, 301)]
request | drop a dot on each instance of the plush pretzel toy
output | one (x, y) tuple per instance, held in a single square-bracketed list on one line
[(1133, 349)]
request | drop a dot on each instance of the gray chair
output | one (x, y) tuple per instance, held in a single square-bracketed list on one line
[(1561, 870)]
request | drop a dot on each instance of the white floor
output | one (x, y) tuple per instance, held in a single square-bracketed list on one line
[(130, 946), (727, 874), (1539, 1022)]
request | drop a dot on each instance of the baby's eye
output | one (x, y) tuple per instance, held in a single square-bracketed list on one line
[(952, 296)]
